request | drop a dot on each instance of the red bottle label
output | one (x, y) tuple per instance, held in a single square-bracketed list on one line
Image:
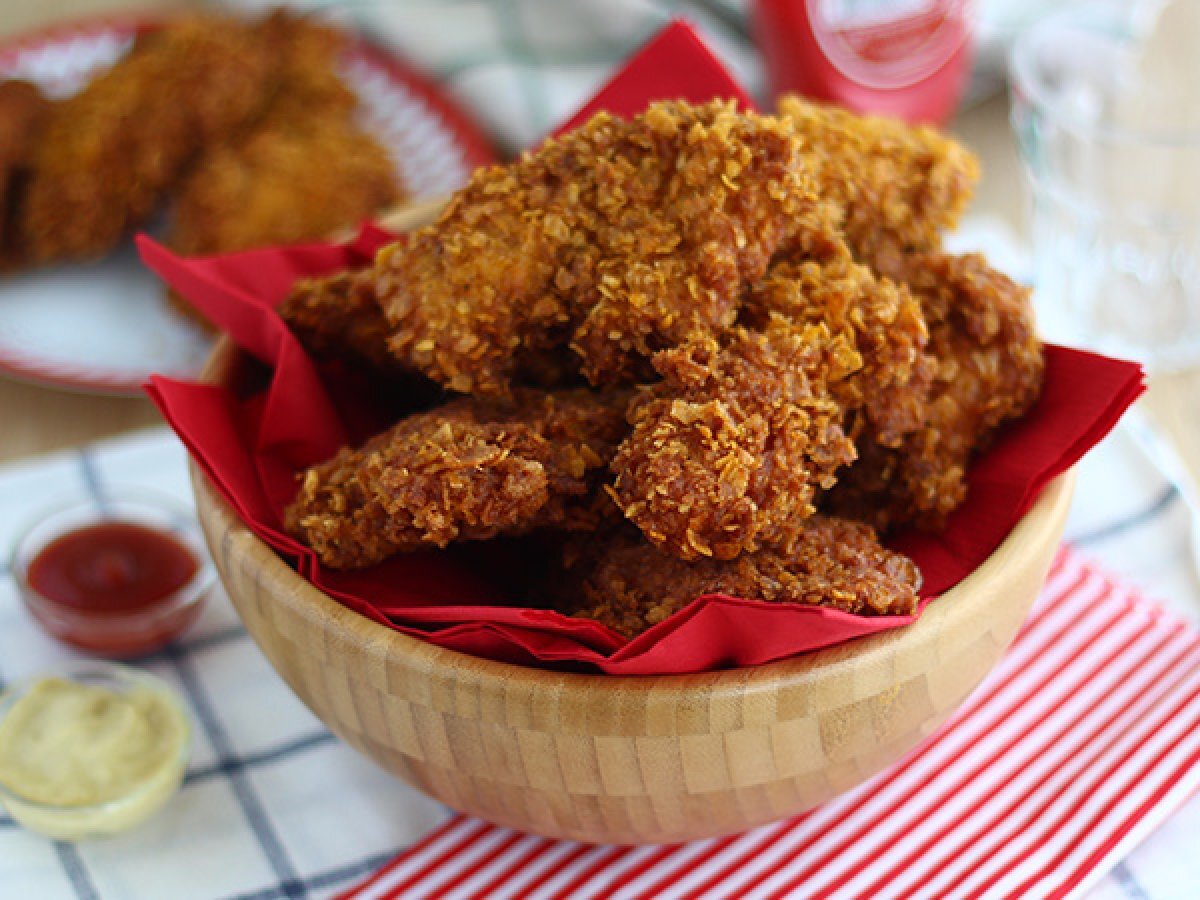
[(889, 44), (903, 58)]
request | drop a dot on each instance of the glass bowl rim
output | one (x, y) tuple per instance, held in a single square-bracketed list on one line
[(182, 523)]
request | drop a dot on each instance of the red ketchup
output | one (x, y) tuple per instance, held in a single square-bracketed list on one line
[(908, 59), (115, 588)]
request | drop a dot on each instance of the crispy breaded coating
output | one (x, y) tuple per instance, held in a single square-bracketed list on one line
[(890, 375), (23, 109), (264, 190), (304, 170), (305, 54), (629, 585), (989, 370), (338, 317), (810, 365), (684, 229), (896, 186), (620, 238), (728, 452), (469, 470), (424, 483), (108, 155)]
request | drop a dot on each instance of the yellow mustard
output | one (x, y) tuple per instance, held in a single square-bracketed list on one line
[(90, 760)]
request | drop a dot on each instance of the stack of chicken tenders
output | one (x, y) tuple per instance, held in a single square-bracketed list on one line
[(218, 119), (700, 350)]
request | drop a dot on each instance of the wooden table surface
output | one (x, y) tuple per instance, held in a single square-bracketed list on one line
[(38, 419)]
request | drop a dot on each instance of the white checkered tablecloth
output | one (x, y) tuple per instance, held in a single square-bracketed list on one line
[(273, 805)]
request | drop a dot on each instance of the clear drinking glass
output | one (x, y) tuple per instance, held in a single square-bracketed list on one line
[(1110, 137)]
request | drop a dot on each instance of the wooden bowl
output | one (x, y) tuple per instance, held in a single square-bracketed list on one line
[(624, 759)]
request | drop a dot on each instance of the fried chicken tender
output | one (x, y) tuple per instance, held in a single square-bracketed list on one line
[(629, 585), (306, 79), (339, 317), (620, 238), (469, 470), (283, 185), (879, 319), (728, 452), (896, 186), (305, 169), (23, 109), (989, 370), (108, 155)]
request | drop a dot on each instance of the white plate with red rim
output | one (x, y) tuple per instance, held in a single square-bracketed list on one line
[(104, 327)]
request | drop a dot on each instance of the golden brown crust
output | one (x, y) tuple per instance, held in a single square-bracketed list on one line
[(338, 317), (108, 155), (620, 238), (305, 54), (232, 115), (23, 110), (306, 167), (425, 482), (896, 186), (989, 370), (629, 585), (263, 190), (880, 320), (728, 452), (469, 470), (795, 355)]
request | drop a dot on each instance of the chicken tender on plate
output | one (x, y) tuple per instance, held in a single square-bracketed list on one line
[(627, 584), (305, 169), (108, 155), (283, 185), (23, 110)]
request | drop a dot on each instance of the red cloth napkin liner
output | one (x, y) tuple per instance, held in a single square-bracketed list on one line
[(253, 447)]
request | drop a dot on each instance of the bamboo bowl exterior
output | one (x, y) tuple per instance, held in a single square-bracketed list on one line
[(627, 760), (624, 760)]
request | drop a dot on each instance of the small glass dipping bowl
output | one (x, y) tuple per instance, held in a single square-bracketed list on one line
[(143, 799), (117, 633)]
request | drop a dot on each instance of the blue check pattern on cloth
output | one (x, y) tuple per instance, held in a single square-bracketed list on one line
[(273, 806)]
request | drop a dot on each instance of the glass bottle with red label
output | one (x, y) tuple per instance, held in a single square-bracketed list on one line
[(904, 58)]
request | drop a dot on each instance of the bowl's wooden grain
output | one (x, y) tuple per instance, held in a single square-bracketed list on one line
[(628, 759)]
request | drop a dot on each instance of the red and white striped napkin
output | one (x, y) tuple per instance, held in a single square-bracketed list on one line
[(1084, 738)]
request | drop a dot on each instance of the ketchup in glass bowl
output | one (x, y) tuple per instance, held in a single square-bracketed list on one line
[(120, 577)]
